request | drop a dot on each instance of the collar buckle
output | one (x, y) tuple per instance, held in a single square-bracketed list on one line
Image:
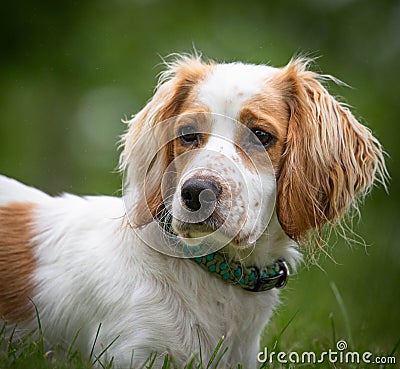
[(277, 281), (283, 274)]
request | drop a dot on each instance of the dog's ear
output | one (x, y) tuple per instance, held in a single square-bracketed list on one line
[(147, 145), (329, 157)]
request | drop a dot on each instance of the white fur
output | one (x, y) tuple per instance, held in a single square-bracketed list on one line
[(229, 85)]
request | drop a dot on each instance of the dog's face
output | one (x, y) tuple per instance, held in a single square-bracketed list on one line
[(226, 152), (219, 143), (225, 183)]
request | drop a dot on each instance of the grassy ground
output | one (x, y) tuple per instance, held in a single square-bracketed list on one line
[(290, 331), (29, 353)]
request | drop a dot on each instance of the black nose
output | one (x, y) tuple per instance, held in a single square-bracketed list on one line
[(198, 192)]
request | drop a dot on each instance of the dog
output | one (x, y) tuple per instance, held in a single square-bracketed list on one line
[(227, 170)]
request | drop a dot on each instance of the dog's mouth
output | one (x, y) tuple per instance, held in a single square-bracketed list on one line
[(202, 214), (193, 234)]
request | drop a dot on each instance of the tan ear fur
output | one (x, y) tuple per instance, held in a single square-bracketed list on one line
[(147, 152), (329, 160)]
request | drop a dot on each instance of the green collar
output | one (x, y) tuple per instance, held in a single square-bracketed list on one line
[(250, 278)]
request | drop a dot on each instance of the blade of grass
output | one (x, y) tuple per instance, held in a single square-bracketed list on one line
[(3, 332), (39, 323), (200, 366), (101, 364), (130, 364), (94, 342), (109, 364), (9, 347), (150, 361), (276, 345), (105, 350), (190, 364), (396, 346), (216, 364), (71, 346), (215, 352), (3, 336), (166, 363), (284, 329), (343, 310), (333, 328)]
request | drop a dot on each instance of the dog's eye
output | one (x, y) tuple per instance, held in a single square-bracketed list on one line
[(264, 137), (188, 135)]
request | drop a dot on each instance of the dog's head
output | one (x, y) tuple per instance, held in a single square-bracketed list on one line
[(218, 143)]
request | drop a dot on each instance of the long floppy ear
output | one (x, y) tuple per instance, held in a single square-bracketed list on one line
[(329, 159), (146, 150)]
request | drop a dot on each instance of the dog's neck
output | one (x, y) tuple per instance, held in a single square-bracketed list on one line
[(272, 245), (259, 268)]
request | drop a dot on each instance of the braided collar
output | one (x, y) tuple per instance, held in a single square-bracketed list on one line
[(250, 278)]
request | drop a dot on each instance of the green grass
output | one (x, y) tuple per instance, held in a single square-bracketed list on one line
[(29, 352)]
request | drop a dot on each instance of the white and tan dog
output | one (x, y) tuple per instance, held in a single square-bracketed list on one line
[(83, 260)]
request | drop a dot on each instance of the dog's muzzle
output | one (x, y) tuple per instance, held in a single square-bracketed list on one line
[(199, 197), (198, 192)]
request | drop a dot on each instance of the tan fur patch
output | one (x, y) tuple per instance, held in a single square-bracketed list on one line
[(267, 112), (17, 261), (172, 98), (329, 158)]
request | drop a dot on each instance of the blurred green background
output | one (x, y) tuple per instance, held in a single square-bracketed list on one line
[(70, 71)]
